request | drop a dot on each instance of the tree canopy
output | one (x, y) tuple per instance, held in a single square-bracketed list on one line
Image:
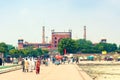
[(3, 47), (68, 44), (84, 46)]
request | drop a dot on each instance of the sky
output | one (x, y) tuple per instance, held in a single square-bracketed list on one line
[(25, 19)]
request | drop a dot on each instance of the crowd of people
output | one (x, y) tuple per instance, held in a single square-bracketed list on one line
[(64, 60), (30, 64)]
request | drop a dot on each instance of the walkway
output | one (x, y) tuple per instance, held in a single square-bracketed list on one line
[(51, 72)]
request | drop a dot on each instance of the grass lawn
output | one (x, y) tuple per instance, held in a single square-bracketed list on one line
[(3, 67)]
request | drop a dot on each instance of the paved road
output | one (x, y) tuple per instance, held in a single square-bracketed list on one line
[(51, 72)]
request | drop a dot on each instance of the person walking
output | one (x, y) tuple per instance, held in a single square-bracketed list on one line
[(77, 60), (23, 65), (30, 65), (26, 65), (38, 66), (0, 61), (3, 61)]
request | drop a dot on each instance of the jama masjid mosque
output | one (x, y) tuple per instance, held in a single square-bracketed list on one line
[(56, 37)]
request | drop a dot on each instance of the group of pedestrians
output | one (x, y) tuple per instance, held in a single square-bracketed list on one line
[(73, 60), (28, 65), (64, 60)]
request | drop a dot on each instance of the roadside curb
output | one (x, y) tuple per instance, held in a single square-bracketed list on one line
[(83, 74), (10, 69)]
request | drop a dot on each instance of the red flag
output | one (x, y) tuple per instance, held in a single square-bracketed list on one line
[(64, 51)]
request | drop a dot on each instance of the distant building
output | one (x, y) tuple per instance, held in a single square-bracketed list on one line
[(103, 41), (22, 44), (57, 36)]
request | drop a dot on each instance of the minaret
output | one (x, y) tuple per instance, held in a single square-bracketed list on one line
[(70, 31), (43, 35), (84, 32)]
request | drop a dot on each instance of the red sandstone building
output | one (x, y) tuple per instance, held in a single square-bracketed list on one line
[(22, 44), (56, 37)]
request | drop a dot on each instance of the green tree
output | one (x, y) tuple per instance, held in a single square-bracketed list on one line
[(68, 44), (10, 47), (118, 49), (21, 52), (29, 51), (14, 53), (40, 52), (24, 52), (3, 47), (84, 46), (45, 51), (109, 47)]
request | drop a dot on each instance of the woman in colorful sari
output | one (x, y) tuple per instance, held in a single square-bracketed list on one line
[(38, 66)]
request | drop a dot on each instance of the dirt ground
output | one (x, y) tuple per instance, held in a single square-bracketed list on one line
[(102, 70)]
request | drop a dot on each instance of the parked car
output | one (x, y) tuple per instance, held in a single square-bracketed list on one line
[(8, 59), (108, 58)]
